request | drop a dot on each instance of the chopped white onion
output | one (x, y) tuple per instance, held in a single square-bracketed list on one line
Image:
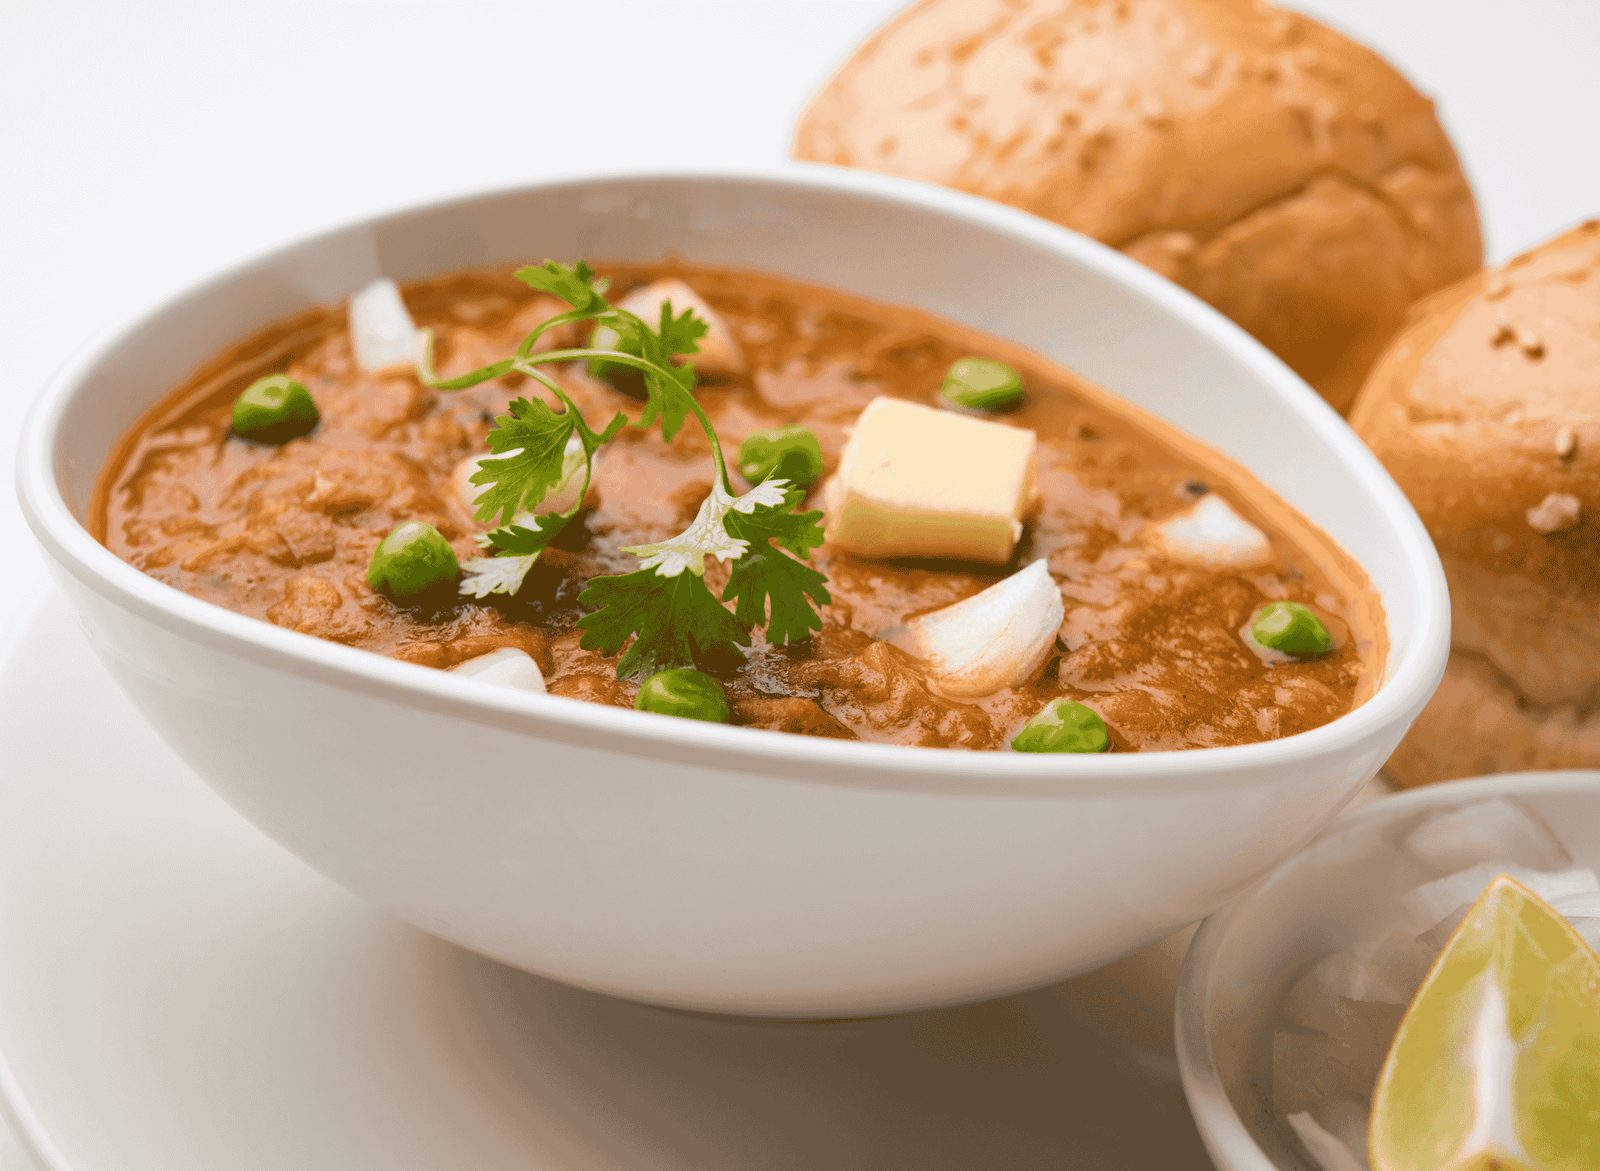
[(1212, 533), (1582, 905), (994, 639), (1383, 969), (1500, 829), (381, 331), (1434, 902), (1589, 929), (1328, 1151), (507, 666)]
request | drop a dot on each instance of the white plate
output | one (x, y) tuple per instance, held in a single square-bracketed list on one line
[(177, 993)]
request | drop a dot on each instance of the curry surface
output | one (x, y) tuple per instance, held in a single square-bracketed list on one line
[(284, 533)]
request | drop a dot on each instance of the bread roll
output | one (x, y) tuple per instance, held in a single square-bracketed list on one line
[(1274, 167), (1486, 410)]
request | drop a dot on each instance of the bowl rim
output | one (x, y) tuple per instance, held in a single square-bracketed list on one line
[(1225, 1134), (812, 760)]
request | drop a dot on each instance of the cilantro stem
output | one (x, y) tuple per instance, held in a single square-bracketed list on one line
[(428, 377), (571, 315), (526, 364)]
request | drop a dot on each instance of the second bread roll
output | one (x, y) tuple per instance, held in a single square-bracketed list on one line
[(1486, 410)]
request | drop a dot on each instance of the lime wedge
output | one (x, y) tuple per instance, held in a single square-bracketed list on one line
[(1496, 1066)]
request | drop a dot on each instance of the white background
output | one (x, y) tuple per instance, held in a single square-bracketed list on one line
[(145, 145)]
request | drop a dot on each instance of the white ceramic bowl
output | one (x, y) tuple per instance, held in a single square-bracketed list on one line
[(722, 868), (1245, 957)]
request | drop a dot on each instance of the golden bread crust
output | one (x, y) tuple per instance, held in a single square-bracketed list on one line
[(1486, 410), (1274, 167)]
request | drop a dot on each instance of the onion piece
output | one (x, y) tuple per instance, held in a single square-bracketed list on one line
[(1212, 533), (997, 638), (1330, 1152), (382, 333), (507, 666)]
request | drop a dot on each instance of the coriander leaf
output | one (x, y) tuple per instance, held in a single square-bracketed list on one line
[(676, 620), (632, 335), (535, 440), (798, 532), (765, 573), (517, 540), (517, 547), (670, 615), (494, 575), (574, 284), (707, 534), (670, 387), (682, 334), (592, 442), (671, 399)]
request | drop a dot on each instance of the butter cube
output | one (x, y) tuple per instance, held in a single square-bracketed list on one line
[(918, 482), (718, 353)]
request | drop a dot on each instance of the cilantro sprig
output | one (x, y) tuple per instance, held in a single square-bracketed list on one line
[(665, 607)]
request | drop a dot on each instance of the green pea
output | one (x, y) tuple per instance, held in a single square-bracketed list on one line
[(274, 409), (982, 384), (791, 453), (685, 692), (1063, 726), (411, 560), (1290, 628)]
